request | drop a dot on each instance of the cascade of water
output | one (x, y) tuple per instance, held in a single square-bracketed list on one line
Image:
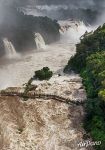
[(73, 30), (40, 43), (9, 49)]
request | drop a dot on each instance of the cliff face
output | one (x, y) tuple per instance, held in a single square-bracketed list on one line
[(40, 124), (20, 29)]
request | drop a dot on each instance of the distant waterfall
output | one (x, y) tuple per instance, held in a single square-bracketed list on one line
[(73, 30), (9, 49), (40, 43)]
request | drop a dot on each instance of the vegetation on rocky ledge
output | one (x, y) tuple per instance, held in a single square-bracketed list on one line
[(89, 61), (43, 74)]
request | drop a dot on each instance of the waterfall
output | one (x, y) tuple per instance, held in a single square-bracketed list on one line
[(40, 43), (9, 49), (73, 30)]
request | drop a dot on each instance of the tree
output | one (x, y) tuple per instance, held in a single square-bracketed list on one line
[(89, 61), (43, 74)]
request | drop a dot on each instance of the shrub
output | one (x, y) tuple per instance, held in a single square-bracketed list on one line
[(43, 74)]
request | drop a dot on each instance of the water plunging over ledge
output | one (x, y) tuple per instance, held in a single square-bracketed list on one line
[(40, 43), (10, 51)]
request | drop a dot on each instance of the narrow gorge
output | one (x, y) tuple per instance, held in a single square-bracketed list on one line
[(51, 78), (40, 122)]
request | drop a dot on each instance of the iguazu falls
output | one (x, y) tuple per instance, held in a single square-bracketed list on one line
[(52, 75)]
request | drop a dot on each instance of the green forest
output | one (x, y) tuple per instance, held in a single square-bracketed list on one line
[(89, 62)]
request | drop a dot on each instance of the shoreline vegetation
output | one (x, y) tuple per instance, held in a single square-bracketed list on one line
[(89, 62)]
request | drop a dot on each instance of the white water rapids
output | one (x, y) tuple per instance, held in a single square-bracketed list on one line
[(55, 56), (43, 124)]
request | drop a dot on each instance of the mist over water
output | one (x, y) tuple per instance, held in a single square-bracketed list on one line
[(40, 43), (10, 51), (56, 55), (5, 79), (73, 30), (43, 123), (88, 11)]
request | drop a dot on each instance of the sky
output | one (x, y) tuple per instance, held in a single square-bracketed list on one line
[(98, 5), (76, 3)]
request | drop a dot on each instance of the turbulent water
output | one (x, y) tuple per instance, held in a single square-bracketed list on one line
[(55, 56), (52, 11), (40, 124), (73, 30)]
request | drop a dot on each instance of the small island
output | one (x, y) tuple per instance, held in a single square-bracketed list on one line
[(43, 74)]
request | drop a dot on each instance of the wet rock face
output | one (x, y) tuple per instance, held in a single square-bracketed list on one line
[(39, 125), (19, 29)]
